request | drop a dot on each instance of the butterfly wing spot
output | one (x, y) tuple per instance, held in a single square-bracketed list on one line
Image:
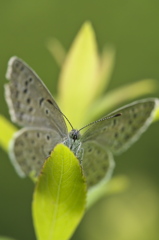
[(47, 111), (30, 79), (40, 101), (104, 129), (26, 83), (47, 137), (89, 149), (49, 101), (30, 109), (38, 135), (22, 68), (25, 90), (114, 121), (28, 100)]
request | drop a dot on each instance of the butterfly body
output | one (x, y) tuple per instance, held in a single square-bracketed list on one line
[(32, 106)]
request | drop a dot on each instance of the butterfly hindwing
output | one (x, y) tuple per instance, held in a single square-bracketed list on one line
[(30, 147), (97, 163)]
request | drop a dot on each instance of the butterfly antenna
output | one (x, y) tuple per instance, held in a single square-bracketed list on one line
[(49, 101), (100, 120)]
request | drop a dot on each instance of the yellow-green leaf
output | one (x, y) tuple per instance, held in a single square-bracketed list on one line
[(7, 130), (119, 96), (60, 196), (78, 81)]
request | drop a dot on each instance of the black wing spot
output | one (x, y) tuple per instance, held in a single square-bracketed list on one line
[(22, 68), (114, 121), (30, 109), (48, 137), (135, 115), (47, 111), (33, 158), (104, 129), (41, 100), (25, 90), (38, 134), (26, 83), (16, 64), (28, 100), (89, 149), (30, 79), (49, 101)]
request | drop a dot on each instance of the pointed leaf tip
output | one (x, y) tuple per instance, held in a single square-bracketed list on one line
[(60, 196), (79, 73)]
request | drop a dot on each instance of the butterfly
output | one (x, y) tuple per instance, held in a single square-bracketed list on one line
[(32, 106)]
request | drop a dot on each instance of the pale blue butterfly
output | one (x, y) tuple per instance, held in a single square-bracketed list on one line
[(31, 105)]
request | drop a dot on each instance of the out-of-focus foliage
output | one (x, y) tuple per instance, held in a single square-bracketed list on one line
[(132, 27)]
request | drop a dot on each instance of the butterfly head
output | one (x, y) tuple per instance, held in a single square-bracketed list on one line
[(74, 134)]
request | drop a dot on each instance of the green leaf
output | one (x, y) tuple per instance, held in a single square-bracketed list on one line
[(60, 196), (119, 96), (78, 81), (7, 130)]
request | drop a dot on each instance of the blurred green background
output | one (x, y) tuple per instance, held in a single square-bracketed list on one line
[(132, 27)]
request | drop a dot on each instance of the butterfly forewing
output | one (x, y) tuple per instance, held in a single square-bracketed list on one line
[(30, 103), (118, 133)]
